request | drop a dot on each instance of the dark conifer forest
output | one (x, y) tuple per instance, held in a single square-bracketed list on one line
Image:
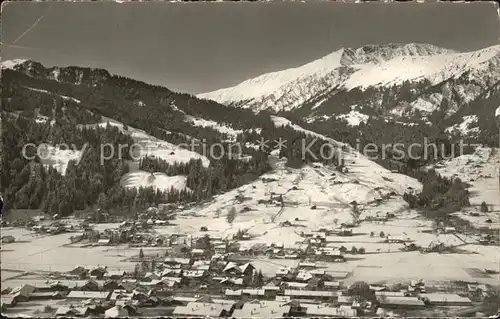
[(72, 110)]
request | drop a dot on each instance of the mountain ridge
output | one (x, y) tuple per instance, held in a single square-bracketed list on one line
[(371, 66), (98, 108)]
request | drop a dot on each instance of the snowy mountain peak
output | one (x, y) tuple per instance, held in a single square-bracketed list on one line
[(373, 53), (369, 66), (268, 83), (69, 74), (10, 64)]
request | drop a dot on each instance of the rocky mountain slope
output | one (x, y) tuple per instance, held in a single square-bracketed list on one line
[(392, 80), (75, 111), (76, 106)]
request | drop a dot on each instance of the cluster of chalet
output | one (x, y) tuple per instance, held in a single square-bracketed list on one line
[(192, 288), (93, 291), (260, 309), (416, 296)]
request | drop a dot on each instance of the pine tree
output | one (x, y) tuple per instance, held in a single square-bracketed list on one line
[(484, 207), (259, 279), (231, 215), (102, 200), (136, 270), (355, 212), (141, 254)]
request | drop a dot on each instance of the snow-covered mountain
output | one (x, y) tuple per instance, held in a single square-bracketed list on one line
[(10, 64), (160, 123), (460, 78)]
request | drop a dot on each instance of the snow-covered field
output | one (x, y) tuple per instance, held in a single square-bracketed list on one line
[(145, 145), (427, 103), (156, 180), (354, 118), (331, 191), (262, 222), (59, 158), (47, 92), (148, 145), (32, 252), (224, 129), (481, 170), (466, 127)]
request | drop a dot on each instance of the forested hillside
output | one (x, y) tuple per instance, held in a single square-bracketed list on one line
[(71, 108)]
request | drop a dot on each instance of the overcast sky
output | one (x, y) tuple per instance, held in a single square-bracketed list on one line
[(200, 47)]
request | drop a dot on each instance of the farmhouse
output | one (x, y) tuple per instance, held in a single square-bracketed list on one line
[(310, 294), (90, 285), (121, 294), (335, 255), (229, 282), (46, 295), (296, 285), (178, 262), (97, 272), (104, 242), (263, 309), (233, 293), (116, 312), (83, 295), (449, 230), (271, 287), (194, 274), (476, 288), (235, 270), (282, 272), (307, 264), (198, 309), (8, 301), (127, 286), (169, 272), (378, 287), (322, 310), (337, 274), (220, 248), (8, 239), (303, 276), (22, 292), (246, 269), (78, 270), (332, 284), (201, 265), (151, 276), (65, 311), (167, 282), (390, 293), (345, 300), (439, 299), (114, 274), (400, 302), (253, 292), (396, 239)]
